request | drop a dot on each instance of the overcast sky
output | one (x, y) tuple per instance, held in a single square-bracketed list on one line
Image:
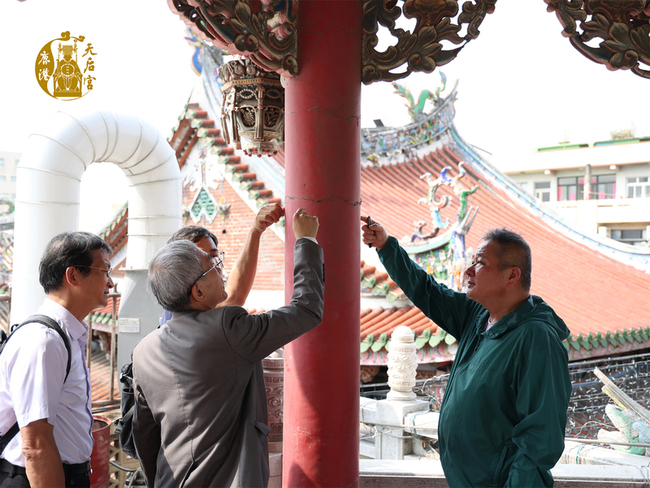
[(522, 85)]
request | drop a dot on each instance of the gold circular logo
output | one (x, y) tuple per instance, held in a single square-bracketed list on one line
[(60, 74)]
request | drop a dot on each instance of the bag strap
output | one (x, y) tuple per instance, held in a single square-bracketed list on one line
[(52, 324), (121, 422)]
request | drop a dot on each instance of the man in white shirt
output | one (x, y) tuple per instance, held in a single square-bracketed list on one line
[(55, 440)]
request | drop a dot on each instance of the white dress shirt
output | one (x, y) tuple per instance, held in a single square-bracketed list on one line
[(32, 370)]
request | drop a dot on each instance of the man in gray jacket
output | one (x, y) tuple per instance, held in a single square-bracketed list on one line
[(200, 417)]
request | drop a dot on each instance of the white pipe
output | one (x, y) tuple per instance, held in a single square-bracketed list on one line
[(48, 188)]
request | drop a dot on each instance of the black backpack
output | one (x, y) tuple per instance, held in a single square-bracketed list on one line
[(52, 324), (124, 426)]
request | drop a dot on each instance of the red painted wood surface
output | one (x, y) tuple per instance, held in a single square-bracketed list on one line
[(322, 161)]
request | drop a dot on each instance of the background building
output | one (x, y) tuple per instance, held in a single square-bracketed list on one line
[(602, 187)]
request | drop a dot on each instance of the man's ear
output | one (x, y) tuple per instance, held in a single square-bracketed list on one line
[(72, 276), (197, 294), (514, 275)]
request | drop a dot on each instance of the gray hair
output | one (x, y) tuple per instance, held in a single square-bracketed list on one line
[(172, 272)]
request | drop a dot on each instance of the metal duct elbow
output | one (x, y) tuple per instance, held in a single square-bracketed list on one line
[(48, 190)]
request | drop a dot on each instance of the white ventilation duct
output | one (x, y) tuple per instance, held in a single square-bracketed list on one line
[(48, 189)]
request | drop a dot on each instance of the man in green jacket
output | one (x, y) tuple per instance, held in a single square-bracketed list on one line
[(503, 415)]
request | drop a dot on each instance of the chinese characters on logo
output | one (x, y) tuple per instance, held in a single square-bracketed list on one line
[(61, 76)]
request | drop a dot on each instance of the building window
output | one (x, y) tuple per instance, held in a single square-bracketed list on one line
[(543, 191), (603, 187), (569, 189), (630, 236), (3, 178), (638, 187), (2, 162), (13, 179)]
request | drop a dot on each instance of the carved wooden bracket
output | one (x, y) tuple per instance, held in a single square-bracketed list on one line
[(624, 26), (421, 50), (263, 30)]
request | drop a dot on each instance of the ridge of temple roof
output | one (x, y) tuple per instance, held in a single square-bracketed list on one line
[(115, 234)]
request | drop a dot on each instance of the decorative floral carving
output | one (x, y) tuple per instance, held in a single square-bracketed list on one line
[(264, 30), (623, 26), (421, 50)]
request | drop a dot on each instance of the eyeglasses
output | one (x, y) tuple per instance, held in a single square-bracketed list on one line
[(107, 271), (217, 263)]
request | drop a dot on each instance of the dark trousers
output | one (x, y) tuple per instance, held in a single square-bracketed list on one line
[(76, 475)]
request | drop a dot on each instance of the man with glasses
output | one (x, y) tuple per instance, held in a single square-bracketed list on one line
[(52, 410), (241, 278), (200, 400), (504, 411)]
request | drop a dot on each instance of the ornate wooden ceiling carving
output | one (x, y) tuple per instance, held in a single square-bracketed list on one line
[(421, 50), (623, 26), (265, 31)]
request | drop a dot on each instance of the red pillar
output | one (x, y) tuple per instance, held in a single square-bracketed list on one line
[(323, 103)]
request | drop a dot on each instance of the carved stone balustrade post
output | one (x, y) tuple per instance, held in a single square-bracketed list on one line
[(395, 442), (402, 364)]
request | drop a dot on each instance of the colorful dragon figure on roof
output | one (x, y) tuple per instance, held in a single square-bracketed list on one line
[(436, 205), (461, 192), (451, 264), (416, 110)]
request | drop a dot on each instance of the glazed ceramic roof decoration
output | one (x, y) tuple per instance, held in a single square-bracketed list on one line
[(400, 143)]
